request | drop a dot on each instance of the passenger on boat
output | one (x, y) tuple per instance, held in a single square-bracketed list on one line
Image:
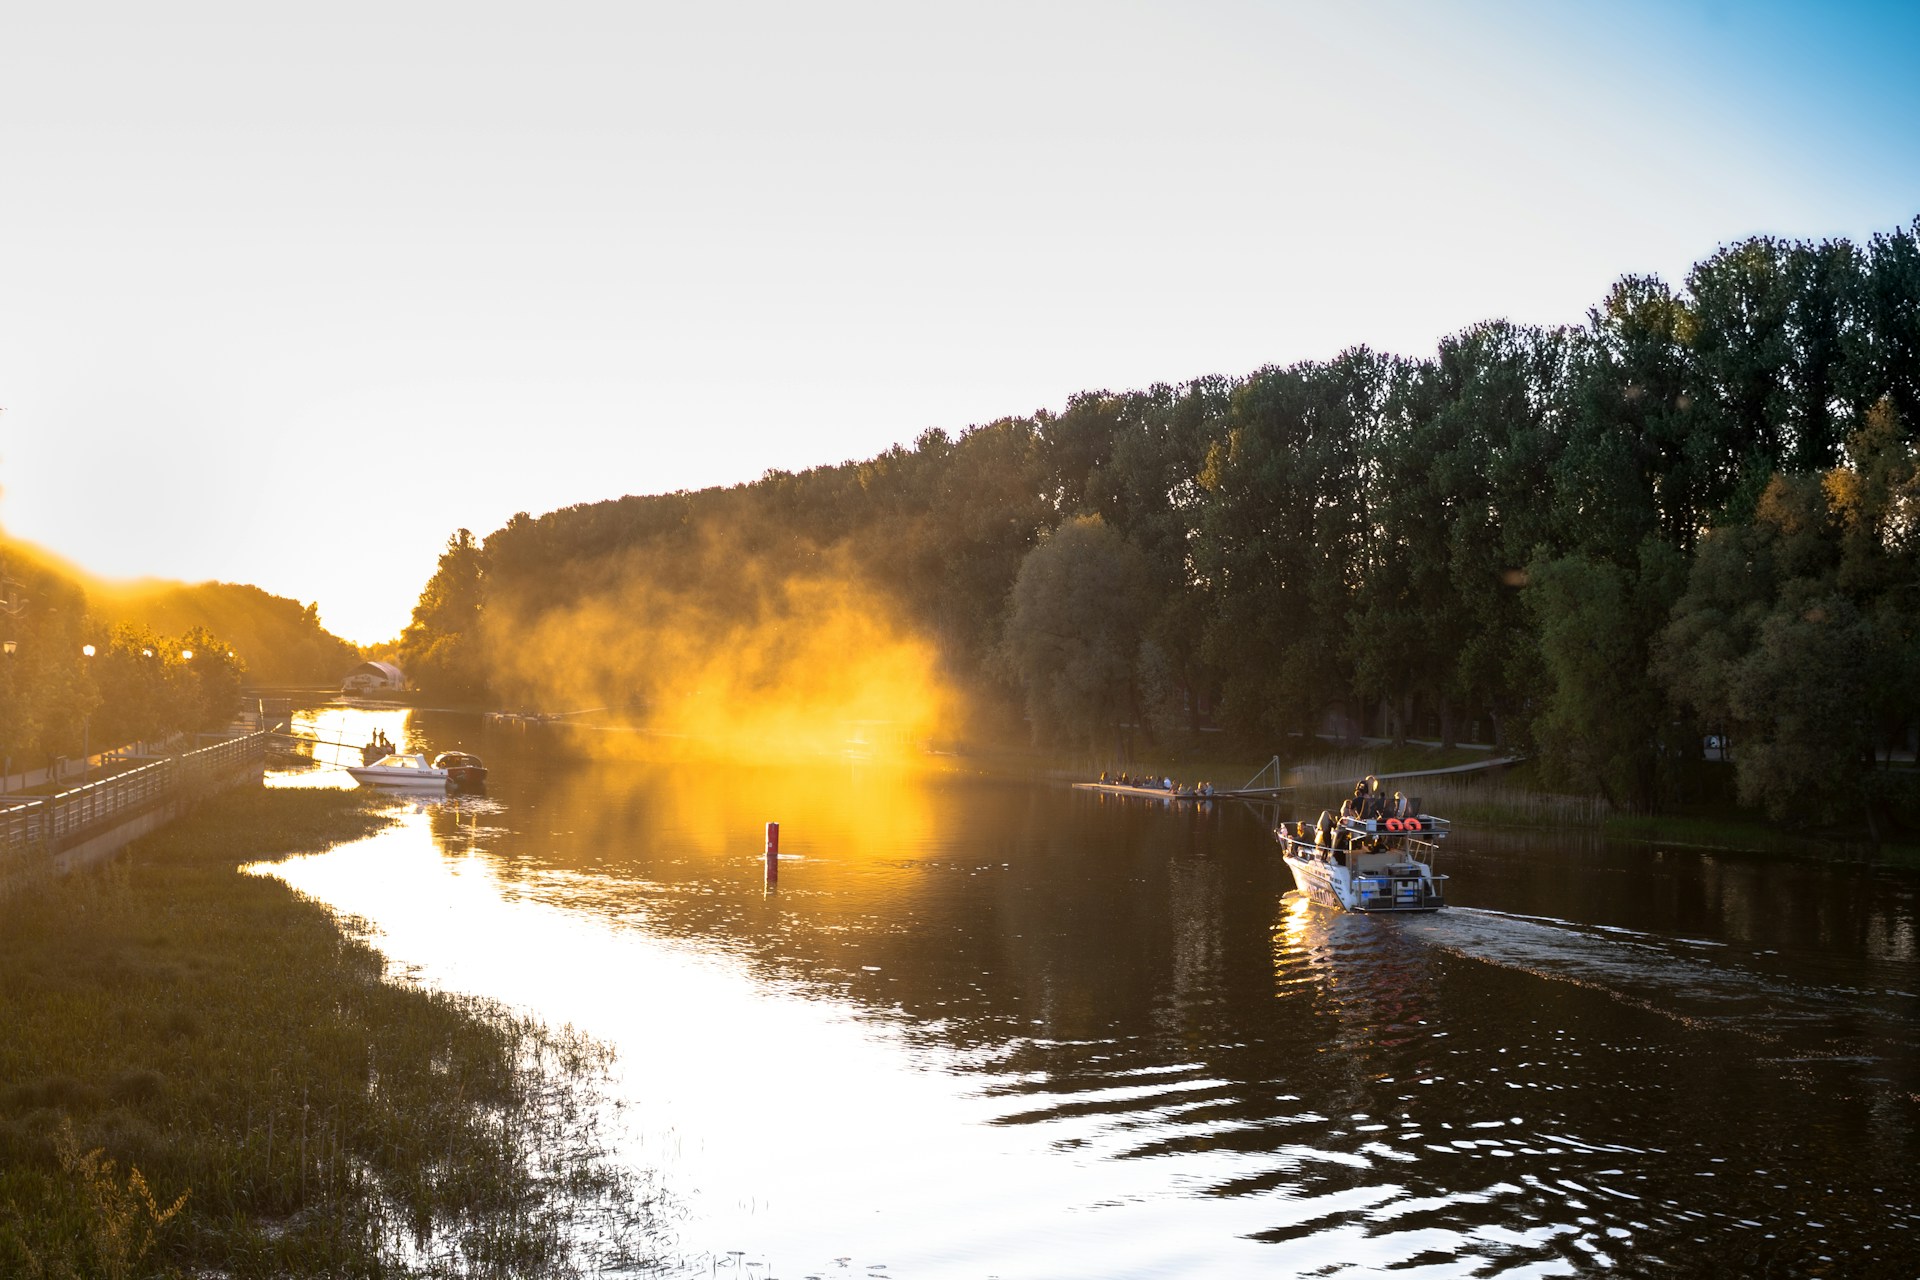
[(1372, 803), (1331, 839), (1103, 777)]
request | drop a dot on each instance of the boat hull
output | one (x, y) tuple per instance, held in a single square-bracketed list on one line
[(1145, 793), (410, 781), (1403, 887)]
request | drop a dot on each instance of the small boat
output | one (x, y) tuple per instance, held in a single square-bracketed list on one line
[(1367, 864), (464, 772), (399, 770)]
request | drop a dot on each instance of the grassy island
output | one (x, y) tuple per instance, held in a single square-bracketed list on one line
[(203, 1073)]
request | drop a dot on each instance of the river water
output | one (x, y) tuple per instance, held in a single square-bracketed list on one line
[(996, 1028)]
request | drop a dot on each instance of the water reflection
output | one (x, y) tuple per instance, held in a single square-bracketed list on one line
[(985, 1026)]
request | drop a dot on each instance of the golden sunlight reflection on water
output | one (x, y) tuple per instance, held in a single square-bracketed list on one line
[(988, 1027), (794, 1128)]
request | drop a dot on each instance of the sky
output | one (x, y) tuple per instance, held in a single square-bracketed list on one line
[(290, 293)]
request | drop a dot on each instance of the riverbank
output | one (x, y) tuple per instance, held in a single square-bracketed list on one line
[(204, 1072), (1509, 796)]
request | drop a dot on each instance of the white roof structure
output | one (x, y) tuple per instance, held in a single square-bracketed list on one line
[(376, 674)]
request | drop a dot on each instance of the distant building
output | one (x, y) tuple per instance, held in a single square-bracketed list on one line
[(373, 677)]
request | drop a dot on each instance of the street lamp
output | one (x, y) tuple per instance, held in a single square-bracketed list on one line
[(6, 773), (86, 729)]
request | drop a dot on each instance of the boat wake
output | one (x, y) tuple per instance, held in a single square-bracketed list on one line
[(1809, 1011)]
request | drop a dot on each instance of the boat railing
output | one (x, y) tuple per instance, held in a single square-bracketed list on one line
[(1430, 826)]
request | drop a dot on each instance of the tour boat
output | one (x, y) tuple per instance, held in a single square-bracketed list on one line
[(1367, 864)]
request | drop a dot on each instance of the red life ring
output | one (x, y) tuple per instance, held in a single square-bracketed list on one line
[(1393, 824)]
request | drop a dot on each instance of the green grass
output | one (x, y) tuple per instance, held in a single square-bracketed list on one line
[(234, 1044)]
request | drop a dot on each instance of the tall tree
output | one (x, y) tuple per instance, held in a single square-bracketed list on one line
[(1074, 621), (1603, 722), (1888, 353), (1282, 531), (442, 647)]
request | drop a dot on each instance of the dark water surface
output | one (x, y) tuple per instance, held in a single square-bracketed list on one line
[(994, 1028)]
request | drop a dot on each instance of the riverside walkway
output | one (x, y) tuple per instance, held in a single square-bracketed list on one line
[(91, 822)]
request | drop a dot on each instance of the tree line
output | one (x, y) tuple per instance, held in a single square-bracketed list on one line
[(1694, 516), (98, 670)]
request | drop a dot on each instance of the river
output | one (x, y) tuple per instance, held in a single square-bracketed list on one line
[(995, 1028)]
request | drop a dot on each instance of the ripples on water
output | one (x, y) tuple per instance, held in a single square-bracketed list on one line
[(1024, 1033)]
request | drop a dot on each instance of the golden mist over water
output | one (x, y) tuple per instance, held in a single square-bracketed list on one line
[(722, 655), (851, 814)]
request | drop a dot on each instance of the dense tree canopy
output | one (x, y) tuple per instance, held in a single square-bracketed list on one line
[(281, 641), (1799, 632), (56, 698), (1694, 513), (1079, 608)]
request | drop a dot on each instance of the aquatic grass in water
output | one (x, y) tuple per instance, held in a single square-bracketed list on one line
[(231, 1042), (1754, 835)]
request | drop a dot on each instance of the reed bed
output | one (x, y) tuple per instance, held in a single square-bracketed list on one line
[(1466, 799), (1328, 770), (203, 1073)]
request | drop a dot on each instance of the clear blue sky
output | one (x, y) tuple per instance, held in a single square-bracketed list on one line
[(287, 296)]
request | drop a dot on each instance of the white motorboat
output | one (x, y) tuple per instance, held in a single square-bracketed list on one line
[(1367, 864), (399, 770)]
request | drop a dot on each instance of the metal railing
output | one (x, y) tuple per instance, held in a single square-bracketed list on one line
[(56, 822)]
